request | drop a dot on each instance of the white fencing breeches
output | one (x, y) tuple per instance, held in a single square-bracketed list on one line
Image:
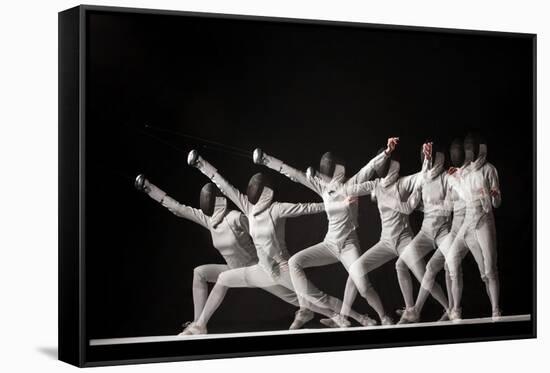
[(202, 275), (382, 252), (412, 258), (480, 240), (256, 277), (321, 254)]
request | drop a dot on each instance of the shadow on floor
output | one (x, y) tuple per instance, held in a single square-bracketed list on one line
[(50, 352)]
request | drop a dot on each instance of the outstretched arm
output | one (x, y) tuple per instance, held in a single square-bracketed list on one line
[(361, 189), (293, 174), (178, 209), (239, 199), (291, 210)]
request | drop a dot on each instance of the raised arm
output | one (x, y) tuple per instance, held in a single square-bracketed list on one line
[(411, 182), (293, 174), (178, 209), (291, 210), (369, 169), (239, 199)]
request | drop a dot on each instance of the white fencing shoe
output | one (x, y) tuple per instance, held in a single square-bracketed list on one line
[(303, 315), (409, 316), (336, 321), (455, 315), (192, 328), (367, 321)]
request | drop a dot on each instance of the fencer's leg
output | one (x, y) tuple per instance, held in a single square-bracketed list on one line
[(202, 275), (320, 303), (486, 236), (350, 293), (349, 255), (449, 284), (252, 276), (413, 259), (402, 269), (435, 264), (314, 256), (284, 294), (302, 315), (437, 292), (373, 258), (487, 241), (475, 249), (454, 264)]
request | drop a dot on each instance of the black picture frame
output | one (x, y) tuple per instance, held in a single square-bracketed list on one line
[(74, 346)]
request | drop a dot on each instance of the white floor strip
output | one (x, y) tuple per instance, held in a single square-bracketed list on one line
[(170, 338)]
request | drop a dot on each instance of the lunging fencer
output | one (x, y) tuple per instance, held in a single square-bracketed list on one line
[(267, 229), (478, 182), (341, 243), (229, 231)]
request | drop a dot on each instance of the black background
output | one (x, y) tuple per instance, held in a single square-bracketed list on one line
[(295, 90)]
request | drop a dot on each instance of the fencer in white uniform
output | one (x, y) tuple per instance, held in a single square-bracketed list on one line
[(435, 228), (451, 205), (229, 232), (396, 198), (267, 229), (478, 182), (341, 243)]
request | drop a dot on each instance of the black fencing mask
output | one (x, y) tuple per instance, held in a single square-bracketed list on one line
[(256, 186), (471, 147), (209, 192), (328, 164), (456, 153)]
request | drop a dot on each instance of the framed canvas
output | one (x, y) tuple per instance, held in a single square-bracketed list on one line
[(239, 186)]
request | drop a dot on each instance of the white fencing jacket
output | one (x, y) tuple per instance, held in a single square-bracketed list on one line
[(342, 217), (230, 235), (266, 218)]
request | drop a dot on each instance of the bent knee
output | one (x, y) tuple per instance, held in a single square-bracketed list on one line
[(296, 262), (199, 273), (454, 270), (224, 279), (355, 271), (400, 265), (490, 275)]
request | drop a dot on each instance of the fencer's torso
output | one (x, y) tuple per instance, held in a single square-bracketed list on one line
[(395, 224), (436, 214), (267, 223), (475, 187), (267, 229), (229, 235), (268, 234), (459, 211), (342, 216), (233, 242)]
